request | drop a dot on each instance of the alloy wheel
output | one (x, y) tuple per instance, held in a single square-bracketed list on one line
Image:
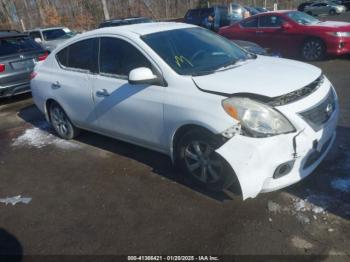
[(60, 122), (202, 162), (312, 50)]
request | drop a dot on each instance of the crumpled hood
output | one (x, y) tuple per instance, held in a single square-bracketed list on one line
[(264, 76)]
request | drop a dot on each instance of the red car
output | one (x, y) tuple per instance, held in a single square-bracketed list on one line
[(293, 33)]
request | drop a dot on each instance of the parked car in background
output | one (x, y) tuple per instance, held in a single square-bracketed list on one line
[(18, 55), (261, 9), (50, 37), (125, 21), (252, 10), (198, 17), (324, 8), (214, 109), (293, 33), (302, 6)]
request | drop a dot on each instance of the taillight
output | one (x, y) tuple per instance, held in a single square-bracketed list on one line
[(43, 57), (33, 75), (2, 68)]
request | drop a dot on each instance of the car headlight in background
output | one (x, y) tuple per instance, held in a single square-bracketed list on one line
[(340, 34), (257, 119)]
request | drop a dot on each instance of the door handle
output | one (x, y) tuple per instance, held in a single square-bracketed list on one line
[(56, 85), (102, 92)]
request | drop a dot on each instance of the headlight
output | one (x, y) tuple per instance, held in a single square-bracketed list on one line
[(340, 34), (257, 119)]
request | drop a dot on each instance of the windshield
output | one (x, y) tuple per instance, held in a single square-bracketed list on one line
[(194, 51), (10, 46), (53, 34), (302, 18)]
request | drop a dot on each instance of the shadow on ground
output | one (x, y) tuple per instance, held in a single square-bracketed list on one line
[(160, 163), (10, 248), (315, 189)]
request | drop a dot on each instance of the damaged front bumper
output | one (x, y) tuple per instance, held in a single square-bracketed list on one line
[(255, 161)]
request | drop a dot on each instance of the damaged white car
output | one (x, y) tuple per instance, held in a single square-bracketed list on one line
[(223, 115)]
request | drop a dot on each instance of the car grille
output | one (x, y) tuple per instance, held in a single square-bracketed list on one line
[(319, 114), (298, 94)]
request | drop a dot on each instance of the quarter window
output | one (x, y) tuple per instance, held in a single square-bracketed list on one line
[(80, 55), (118, 57)]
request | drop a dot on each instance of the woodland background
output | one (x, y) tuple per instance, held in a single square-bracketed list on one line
[(87, 14)]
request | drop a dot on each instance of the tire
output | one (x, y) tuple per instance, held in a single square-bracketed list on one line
[(313, 50), (198, 161), (332, 12), (61, 122)]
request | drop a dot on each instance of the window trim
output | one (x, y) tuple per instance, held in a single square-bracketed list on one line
[(78, 70), (159, 72), (271, 27)]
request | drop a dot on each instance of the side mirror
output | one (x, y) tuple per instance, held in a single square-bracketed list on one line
[(286, 26), (142, 75), (38, 40)]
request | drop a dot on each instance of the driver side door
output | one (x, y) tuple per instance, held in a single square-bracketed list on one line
[(130, 112)]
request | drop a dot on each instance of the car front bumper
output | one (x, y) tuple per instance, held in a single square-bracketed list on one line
[(255, 160), (338, 46)]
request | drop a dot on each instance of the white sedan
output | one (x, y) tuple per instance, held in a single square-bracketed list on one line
[(223, 115)]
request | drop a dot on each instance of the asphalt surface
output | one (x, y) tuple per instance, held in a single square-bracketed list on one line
[(96, 195)]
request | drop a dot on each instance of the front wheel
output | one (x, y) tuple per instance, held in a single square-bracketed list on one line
[(332, 12), (196, 157), (313, 50), (61, 123)]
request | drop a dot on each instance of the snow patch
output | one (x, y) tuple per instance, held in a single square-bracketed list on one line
[(40, 137), (341, 184)]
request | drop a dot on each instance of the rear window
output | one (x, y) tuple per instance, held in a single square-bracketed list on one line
[(14, 45)]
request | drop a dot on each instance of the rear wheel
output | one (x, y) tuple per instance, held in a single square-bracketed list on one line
[(61, 123), (313, 50), (196, 157)]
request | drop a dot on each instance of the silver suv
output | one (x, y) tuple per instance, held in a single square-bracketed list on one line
[(50, 37), (18, 55)]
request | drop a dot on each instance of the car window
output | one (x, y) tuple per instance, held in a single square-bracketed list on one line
[(80, 55), (250, 23), (62, 57), (15, 45), (206, 12), (53, 34), (35, 34), (270, 21), (193, 13), (118, 57), (194, 51), (320, 4)]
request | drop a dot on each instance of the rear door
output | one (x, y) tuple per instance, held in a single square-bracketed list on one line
[(71, 85)]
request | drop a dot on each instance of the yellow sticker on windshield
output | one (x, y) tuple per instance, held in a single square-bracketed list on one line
[(181, 59)]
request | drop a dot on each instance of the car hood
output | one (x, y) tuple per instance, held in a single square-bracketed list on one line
[(334, 25), (264, 76)]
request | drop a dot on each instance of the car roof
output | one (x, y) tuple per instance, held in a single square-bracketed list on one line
[(45, 28), (141, 29), (6, 34)]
